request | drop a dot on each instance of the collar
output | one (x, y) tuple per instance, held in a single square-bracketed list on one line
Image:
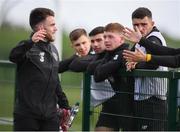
[(154, 29), (121, 47)]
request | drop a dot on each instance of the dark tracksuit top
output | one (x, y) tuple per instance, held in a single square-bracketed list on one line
[(37, 83), (64, 64), (164, 56), (108, 68), (98, 58), (75, 63), (80, 64)]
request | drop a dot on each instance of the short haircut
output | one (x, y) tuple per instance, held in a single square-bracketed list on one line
[(141, 12), (77, 33), (96, 30), (114, 27), (38, 15)]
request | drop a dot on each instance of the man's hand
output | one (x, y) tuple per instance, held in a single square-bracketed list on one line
[(64, 115), (39, 36), (136, 56), (133, 36), (130, 66)]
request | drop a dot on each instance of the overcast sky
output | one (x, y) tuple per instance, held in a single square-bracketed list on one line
[(90, 13)]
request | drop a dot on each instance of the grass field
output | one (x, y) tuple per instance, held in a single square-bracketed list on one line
[(7, 98)]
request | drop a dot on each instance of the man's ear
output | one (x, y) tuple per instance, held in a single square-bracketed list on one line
[(39, 26), (153, 23)]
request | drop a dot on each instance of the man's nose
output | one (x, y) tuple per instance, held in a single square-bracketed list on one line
[(95, 44), (55, 28), (82, 46), (140, 28)]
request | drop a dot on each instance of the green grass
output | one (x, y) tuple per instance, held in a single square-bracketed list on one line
[(6, 127), (7, 99), (73, 95), (71, 79), (6, 103)]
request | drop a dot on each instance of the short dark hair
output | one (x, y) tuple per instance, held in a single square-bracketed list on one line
[(114, 27), (75, 34), (141, 12), (38, 15), (96, 30)]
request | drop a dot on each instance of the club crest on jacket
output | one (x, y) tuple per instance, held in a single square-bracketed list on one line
[(115, 57), (41, 55)]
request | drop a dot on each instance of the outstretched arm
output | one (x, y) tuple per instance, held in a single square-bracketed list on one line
[(169, 61), (158, 49), (134, 56), (64, 64), (80, 64), (136, 37)]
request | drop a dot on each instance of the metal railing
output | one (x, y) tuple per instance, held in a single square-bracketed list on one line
[(172, 77)]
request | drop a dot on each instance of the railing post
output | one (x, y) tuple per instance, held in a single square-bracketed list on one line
[(86, 102), (172, 103)]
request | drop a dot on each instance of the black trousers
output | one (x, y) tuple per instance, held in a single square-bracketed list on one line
[(27, 123), (151, 114), (115, 113)]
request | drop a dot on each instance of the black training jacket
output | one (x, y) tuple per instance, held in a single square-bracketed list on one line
[(163, 56), (37, 84), (109, 68)]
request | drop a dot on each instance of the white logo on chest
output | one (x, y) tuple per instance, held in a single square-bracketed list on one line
[(41, 55), (115, 57)]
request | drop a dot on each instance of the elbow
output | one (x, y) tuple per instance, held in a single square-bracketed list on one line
[(90, 71), (15, 57), (97, 79), (12, 59)]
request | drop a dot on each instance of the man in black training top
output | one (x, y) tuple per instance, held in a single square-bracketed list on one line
[(116, 109), (38, 89)]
